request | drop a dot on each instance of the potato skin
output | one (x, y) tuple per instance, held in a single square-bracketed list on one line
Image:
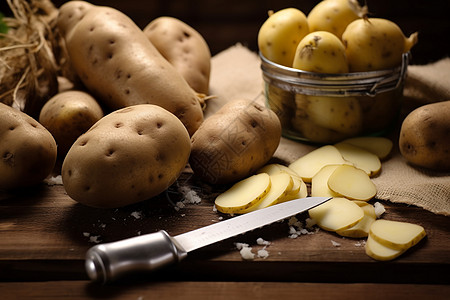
[(184, 48), (120, 66), (27, 150), (68, 115), (128, 156), (234, 142), (424, 136)]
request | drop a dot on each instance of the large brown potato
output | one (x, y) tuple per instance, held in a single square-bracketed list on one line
[(234, 142), (128, 156), (120, 66), (425, 136), (27, 149)]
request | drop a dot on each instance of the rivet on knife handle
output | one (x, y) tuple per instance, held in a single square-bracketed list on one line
[(110, 261)]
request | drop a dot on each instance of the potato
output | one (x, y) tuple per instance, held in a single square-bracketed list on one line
[(395, 234), (28, 151), (128, 156), (68, 115), (380, 146), (308, 165), (379, 251), (236, 141), (424, 136), (360, 158), (375, 44), (280, 186), (184, 48), (352, 183), (336, 214), (362, 228), (299, 189), (244, 194), (334, 15), (280, 34), (319, 182), (321, 52), (120, 66)]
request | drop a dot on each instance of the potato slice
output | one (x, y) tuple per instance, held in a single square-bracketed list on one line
[(243, 194), (352, 183), (281, 184), (360, 158), (362, 228), (380, 146), (380, 252), (319, 183), (308, 165), (270, 169), (396, 235), (336, 214), (302, 193)]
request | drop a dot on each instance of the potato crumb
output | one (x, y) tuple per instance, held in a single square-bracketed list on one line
[(361, 243), (379, 209), (246, 253), (136, 214), (261, 241), (263, 253)]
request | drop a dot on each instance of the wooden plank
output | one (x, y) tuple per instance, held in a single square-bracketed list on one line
[(43, 229), (220, 290)]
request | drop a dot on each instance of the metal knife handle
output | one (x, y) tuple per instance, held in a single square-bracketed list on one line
[(109, 261)]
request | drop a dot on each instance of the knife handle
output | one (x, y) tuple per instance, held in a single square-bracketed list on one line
[(110, 261)]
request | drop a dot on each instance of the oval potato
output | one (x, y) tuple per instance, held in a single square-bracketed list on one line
[(128, 156), (27, 150), (234, 142)]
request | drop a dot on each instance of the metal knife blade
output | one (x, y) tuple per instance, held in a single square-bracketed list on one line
[(110, 261)]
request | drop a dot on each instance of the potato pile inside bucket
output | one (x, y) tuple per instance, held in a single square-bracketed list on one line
[(29, 45)]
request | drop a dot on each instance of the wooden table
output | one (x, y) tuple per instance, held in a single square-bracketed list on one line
[(44, 236)]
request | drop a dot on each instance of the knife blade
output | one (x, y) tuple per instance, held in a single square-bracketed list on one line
[(111, 261)]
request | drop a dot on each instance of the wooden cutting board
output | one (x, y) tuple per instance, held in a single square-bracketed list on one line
[(44, 235)]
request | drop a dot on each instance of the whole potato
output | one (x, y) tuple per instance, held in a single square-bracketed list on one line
[(120, 66), (234, 142), (27, 149), (280, 34), (128, 156), (68, 115), (184, 48), (425, 136)]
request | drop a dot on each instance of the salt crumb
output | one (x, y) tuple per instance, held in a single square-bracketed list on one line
[(136, 214), (379, 209), (336, 244), (239, 246), (246, 253), (261, 241), (54, 180), (86, 234), (310, 223), (361, 243), (263, 253), (94, 239)]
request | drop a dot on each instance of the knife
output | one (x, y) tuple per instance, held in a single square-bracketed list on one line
[(110, 261)]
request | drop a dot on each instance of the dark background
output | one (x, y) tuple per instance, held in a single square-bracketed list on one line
[(224, 23)]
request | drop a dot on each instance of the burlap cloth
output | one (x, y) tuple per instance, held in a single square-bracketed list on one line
[(236, 73)]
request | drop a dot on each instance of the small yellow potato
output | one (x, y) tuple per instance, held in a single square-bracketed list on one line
[(336, 214), (244, 194), (68, 115), (120, 66), (375, 44), (234, 142), (334, 15), (342, 115), (27, 150), (321, 52), (280, 185), (282, 103), (309, 164), (319, 182), (424, 136), (315, 133), (379, 251), (128, 156), (362, 228), (395, 234), (380, 146), (280, 34), (352, 183), (184, 47), (360, 158)]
